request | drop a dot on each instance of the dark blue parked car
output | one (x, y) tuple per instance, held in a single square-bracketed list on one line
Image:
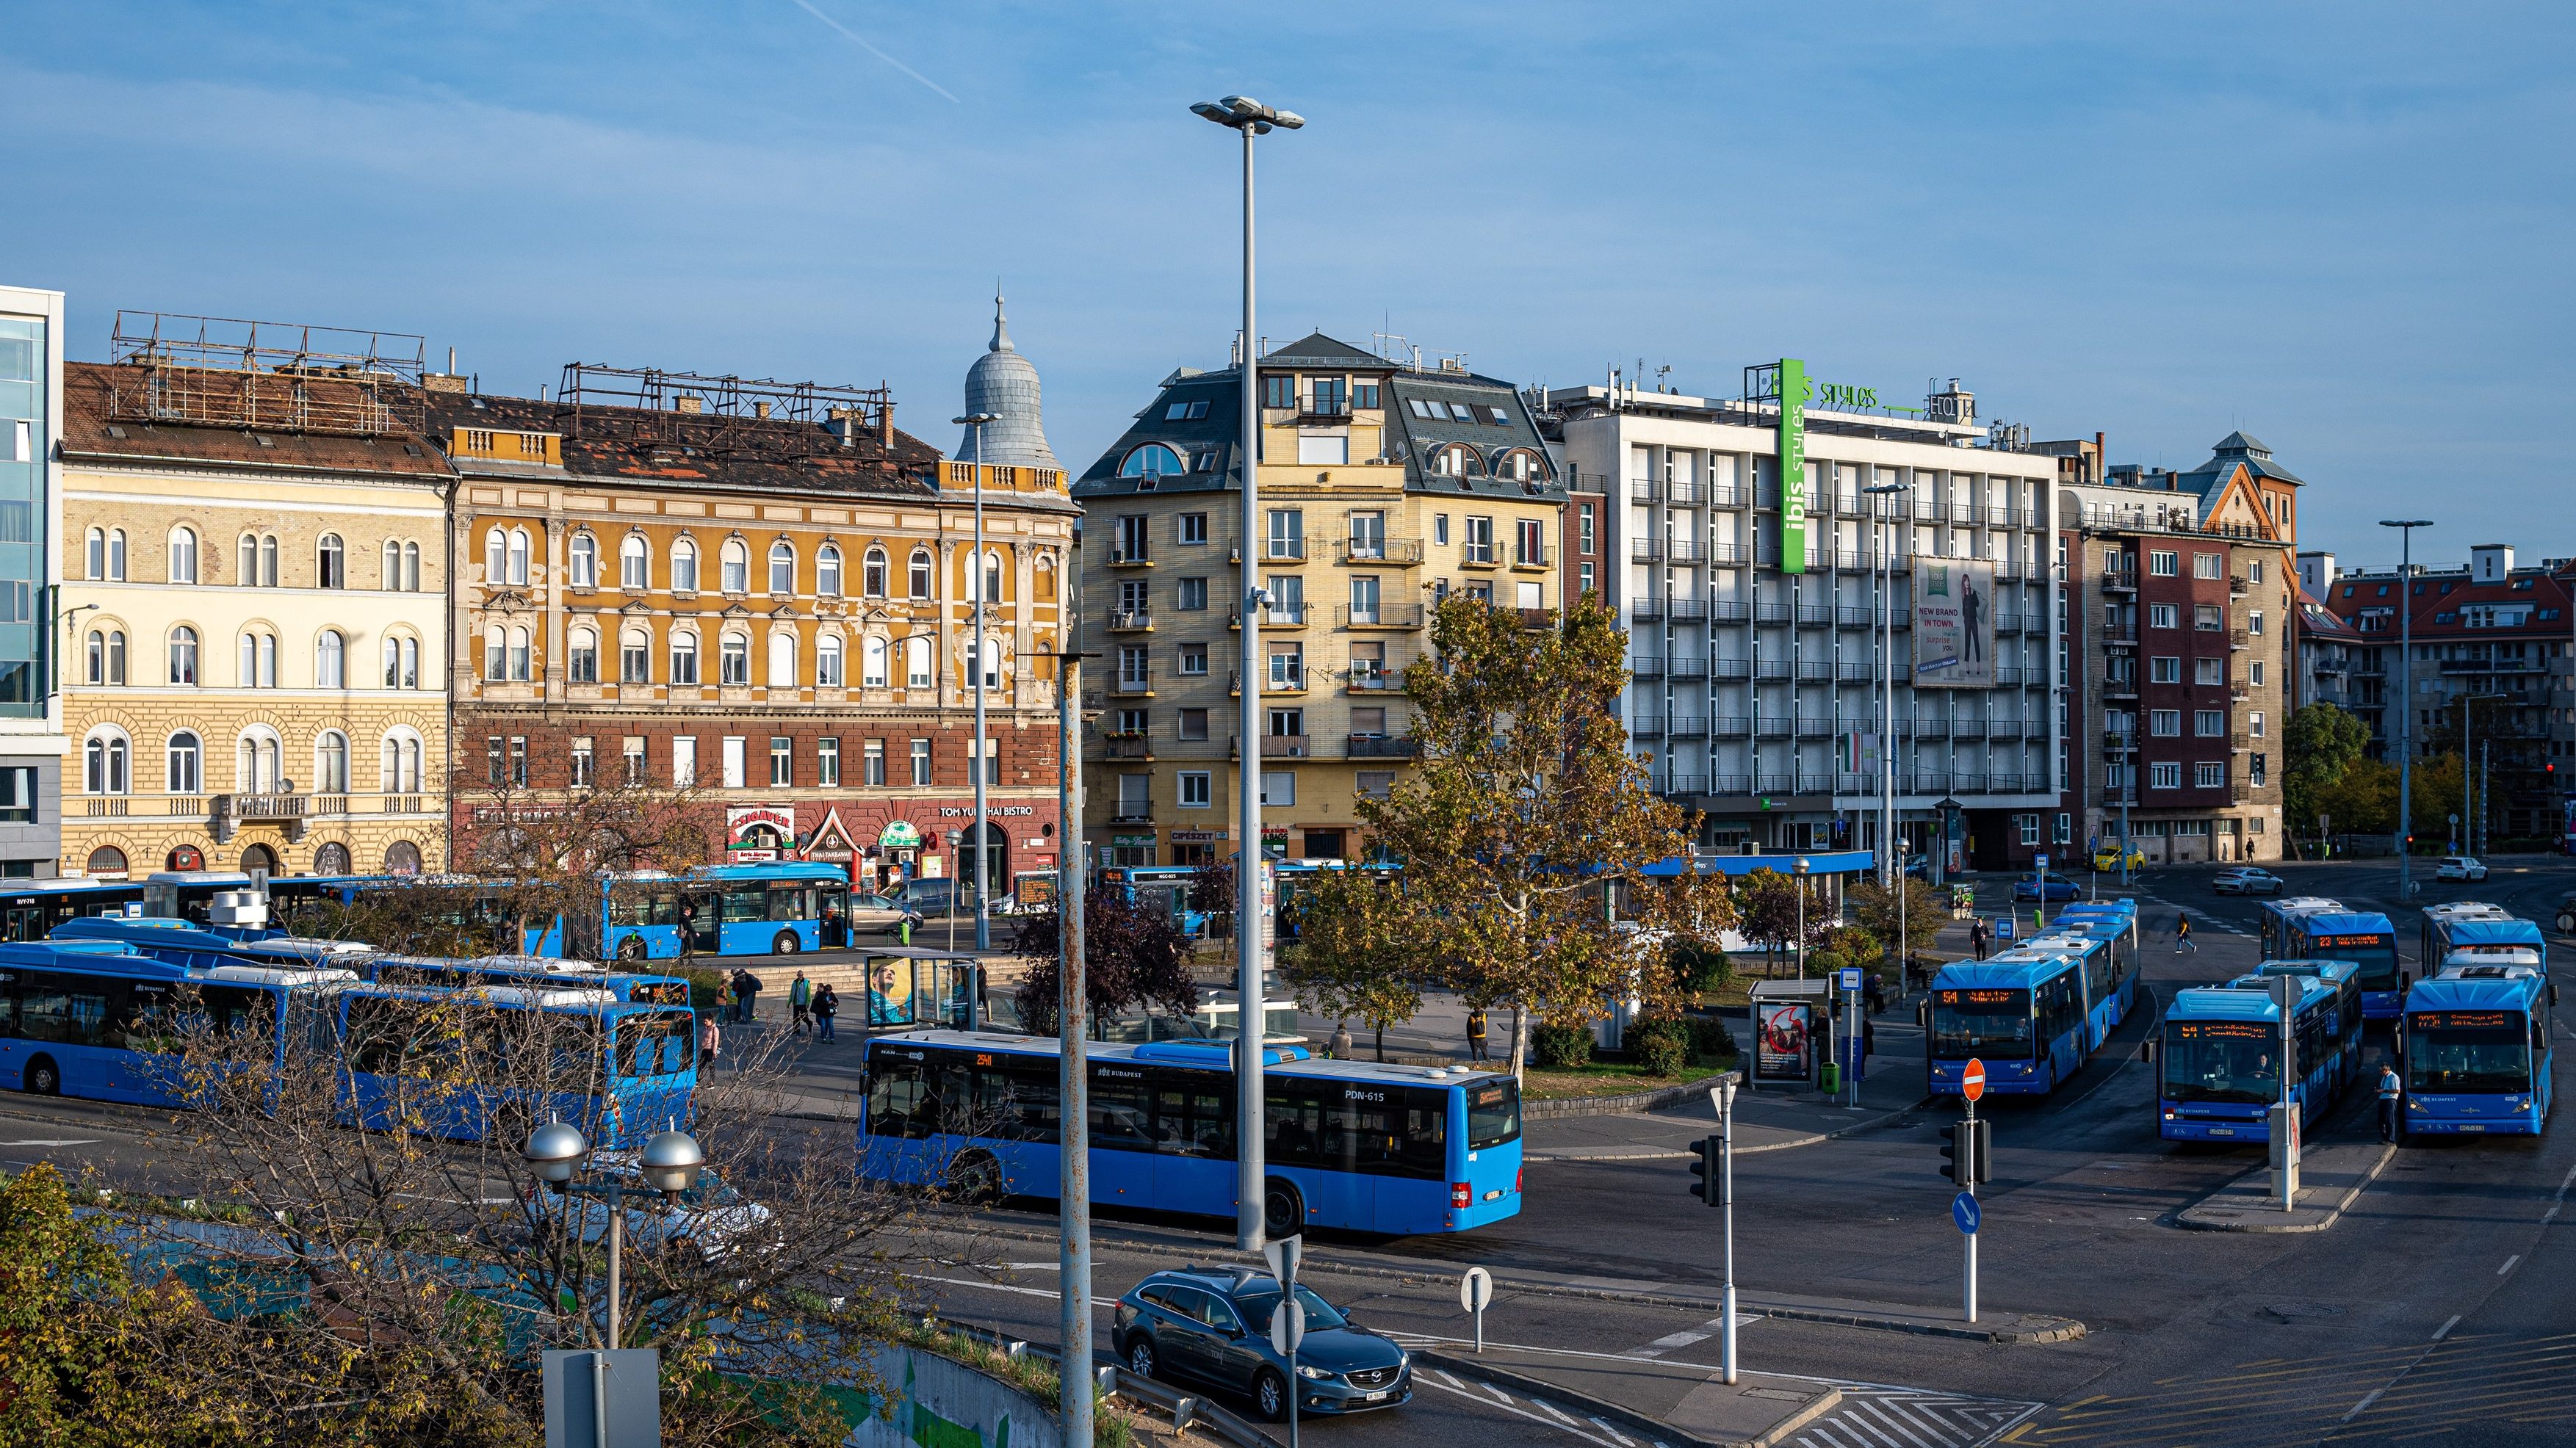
[(2059, 888), (1212, 1325)]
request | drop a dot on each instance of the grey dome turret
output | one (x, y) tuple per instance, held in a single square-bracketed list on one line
[(1005, 384)]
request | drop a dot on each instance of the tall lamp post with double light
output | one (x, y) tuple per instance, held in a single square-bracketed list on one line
[(978, 589), (1886, 679), (1250, 118), (669, 1164), (2405, 700), (2472, 805)]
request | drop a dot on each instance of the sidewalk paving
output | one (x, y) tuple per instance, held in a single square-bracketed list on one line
[(1677, 1403), (2331, 1178)]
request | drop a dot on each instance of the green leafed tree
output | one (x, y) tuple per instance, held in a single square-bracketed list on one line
[(1356, 955), (1522, 804), (2320, 743)]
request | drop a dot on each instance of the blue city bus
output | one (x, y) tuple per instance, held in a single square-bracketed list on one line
[(2344, 979), (98, 1020), (2307, 926), (2494, 938), (2221, 1073), (2477, 1052), (30, 909), (181, 942), (779, 907), (621, 1072), (1165, 889), (2024, 1013), (2110, 978), (2122, 911), (1350, 1145)]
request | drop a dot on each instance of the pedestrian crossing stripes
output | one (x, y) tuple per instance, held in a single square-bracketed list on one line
[(1693, 1336), (1876, 1417)]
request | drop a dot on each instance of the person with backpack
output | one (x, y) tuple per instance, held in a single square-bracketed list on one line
[(827, 1004), (746, 988), (2182, 936), (800, 1003)]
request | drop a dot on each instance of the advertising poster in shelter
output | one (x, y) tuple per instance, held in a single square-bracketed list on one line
[(1954, 623), (1784, 1041)]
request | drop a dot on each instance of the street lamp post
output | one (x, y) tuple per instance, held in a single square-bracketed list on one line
[(669, 1164), (1799, 871), (1886, 679), (2405, 699), (977, 587), (1249, 118), (2472, 804)]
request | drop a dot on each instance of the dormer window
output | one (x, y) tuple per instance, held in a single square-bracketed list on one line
[(1153, 460)]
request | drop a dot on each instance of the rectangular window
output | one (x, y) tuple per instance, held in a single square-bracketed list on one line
[(1130, 544), (2065, 831), (1368, 721), (1134, 666), (1288, 666), (634, 756), (684, 761), (992, 760), (1197, 789), (1287, 533), (1279, 787), (2209, 671), (2209, 723), (2166, 723), (581, 764), (2163, 563), (1193, 595), (1192, 528), (1583, 529), (782, 761), (921, 761), (2163, 615), (2254, 775), (2164, 775), (1440, 529), (1194, 660), (2254, 673), (1194, 724), (1376, 783), (1479, 544), (2205, 617), (1279, 392), (2254, 724), (2209, 565), (1364, 598), (1364, 395), (2206, 775), (827, 762), (2254, 570), (491, 761), (872, 763), (1587, 581), (2164, 669), (2254, 623), (736, 751)]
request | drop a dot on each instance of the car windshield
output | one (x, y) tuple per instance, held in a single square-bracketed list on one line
[(2468, 1059), (1257, 1302), (1994, 1023), (2222, 1061)]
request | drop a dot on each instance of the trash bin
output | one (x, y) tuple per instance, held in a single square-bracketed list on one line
[(1833, 1077)]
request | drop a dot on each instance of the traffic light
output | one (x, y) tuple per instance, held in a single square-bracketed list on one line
[(1967, 1152), (1706, 1179)]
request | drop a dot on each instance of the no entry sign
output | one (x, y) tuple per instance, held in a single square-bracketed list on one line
[(1972, 1080)]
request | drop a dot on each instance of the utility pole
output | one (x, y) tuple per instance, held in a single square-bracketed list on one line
[(978, 591), (1073, 1017), (2406, 701)]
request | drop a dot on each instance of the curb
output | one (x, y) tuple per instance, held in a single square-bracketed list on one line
[(1655, 1428), (1633, 1103), (1651, 1153), (2334, 1214)]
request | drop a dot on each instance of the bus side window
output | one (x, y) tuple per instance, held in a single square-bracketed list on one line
[(746, 903), (895, 1092)]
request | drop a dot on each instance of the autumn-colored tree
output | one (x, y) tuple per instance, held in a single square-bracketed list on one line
[(1355, 956), (1876, 906), (1133, 956), (1522, 805), (1767, 904)]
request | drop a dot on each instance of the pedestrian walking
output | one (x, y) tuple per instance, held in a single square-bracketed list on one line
[(1342, 1041), (827, 1004), (710, 1043), (2391, 1094), (800, 1003), (749, 990), (2182, 935), (1476, 1035), (1978, 935)]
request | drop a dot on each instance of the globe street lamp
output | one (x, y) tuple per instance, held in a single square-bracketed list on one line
[(2405, 699), (976, 589), (669, 1163), (1250, 118)]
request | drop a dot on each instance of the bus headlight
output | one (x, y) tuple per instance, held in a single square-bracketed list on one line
[(2414, 1105)]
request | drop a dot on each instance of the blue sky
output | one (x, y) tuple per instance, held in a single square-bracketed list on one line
[(2343, 228)]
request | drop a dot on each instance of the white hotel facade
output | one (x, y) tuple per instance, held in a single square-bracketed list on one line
[(1755, 692)]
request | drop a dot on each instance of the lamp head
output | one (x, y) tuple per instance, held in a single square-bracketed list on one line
[(555, 1150), (2405, 522), (975, 419), (671, 1161)]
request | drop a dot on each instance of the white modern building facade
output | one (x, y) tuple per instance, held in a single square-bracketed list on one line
[(1758, 693), (31, 574)]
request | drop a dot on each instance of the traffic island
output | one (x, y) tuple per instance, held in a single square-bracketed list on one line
[(2331, 1179), (1678, 1404)]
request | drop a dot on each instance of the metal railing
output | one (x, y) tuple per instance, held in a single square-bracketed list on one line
[(1731, 726), (1686, 666), (1380, 746), (1736, 669), (1121, 619), (1730, 610), (1688, 726), (1284, 746), (1385, 615), (1381, 550)]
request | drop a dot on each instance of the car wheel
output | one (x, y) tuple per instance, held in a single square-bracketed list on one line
[(43, 1077), (1270, 1395), (785, 944), (1140, 1356), (1283, 1209)]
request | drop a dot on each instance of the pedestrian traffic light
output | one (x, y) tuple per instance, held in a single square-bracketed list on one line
[(1706, 1180), (1966, 1152)]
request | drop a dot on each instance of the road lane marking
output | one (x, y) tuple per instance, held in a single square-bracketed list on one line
[(1550, 1409), (2508, 1264), (64, 1141), (2359, 1407), (1516, 1410), (2444, 1330), (1613, 1432)]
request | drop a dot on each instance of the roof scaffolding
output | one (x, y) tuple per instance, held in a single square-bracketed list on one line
[(265, 376)]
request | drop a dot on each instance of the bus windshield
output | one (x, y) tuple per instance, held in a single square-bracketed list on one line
[(2468, 1058), (1993, 1023), (2222, 1061), (1493, 1114)]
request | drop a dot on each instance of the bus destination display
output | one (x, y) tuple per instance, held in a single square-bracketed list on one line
[(2463, 1020), (2225, 1030)]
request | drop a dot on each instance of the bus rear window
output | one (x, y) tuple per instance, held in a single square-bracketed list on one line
[(1493, 1114)]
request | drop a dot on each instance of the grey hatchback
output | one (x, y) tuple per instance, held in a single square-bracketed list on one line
[(1212, 1324)]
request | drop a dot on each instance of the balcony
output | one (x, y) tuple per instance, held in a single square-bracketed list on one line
[(1772, 726), (1678, 784), (1735, 669), (1683, 550), (1645, 610), (1124, 746), (2236, 585), (2115, 745), (1686, 610), (2239, 691), (1815, 726), (1129, 558), (1646, 667), (2007, 622), (1730, 610), (1131, 620), (1136, 688), (1815, 613), (1855, 672), (1276, 616), (232, 811), (1529, 559), (2119, 686), (1380, 746), (2240, 742), (1385, 615), (1929, 727), (2238, 638), (1380, 552), (2120, 635), (1815, 671), (1641, 490), (1324, 407), (1284, 746), (1771, 670), (1284, 550), (2238, 791), (1478, 555), (1729, 555), (1686, 493), (1970, 728), (1376, 680), (2494, 666), (1771, 613), (1730, 726), (1686, 666), (1728, 495), (1646, 726), (1688, 726), (2122, 582), (1537, 617)]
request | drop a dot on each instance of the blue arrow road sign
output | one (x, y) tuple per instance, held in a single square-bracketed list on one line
[(1963, 1210)]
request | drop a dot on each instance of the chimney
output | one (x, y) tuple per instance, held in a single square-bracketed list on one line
[(760, 409), (843, 423), (885, 424), (689, 404)]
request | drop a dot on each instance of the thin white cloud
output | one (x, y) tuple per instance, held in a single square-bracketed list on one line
[(861, 42)]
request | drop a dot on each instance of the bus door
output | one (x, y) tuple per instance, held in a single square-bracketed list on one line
[(1194, 1137), (701, 921), (832, 931), (25, 920)]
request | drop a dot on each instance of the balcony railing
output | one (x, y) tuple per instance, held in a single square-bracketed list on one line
[(1730, 610), (2238, 638), (1688, 726), (232, 811), (1127, 746), (1128, 620), (1772, 726), (1376, 680), (1769, 670), (1285, 550), (1645, 666), (1725, 668), (1381, 550), (1284, 746), (2122, 582), (1771, 613), (1136, 557), (1646, 726), (1686, 610), (1729, 555), (1380, 746), (1731, 726), (1385, 615)]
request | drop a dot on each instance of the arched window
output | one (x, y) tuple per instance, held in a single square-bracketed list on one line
[(185, 857), (102, 668), (782, 567), (916, 663), (684, 657), (873, 666), (634, 563), (116, 555), (331, 763), (104, 764), (246, 555), (496, 653), (827, 662), (257, 665), (392, 581), (684, 565), (393, 664), (872, 576), (97, 553), (183, 655), (519, 656), (518, 559), (782, 661), (496, 558), (993, 577), (993, 653), (399, 763), (1045, 579), (736, 661), (331, 859), (737, 566), (585, 561), (183, 555), (1153, 460), (411, 568), (329, 658), (331, 562), (1520, 465), (411, 663), (634, 657), (259, 857), (402, 857), (185, 760), (268, 560), (827, 571), (107, 862), (920, 570), (584, 663), (255, 761), (1450, 462)]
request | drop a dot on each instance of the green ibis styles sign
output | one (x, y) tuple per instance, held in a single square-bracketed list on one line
[(1794, 393)]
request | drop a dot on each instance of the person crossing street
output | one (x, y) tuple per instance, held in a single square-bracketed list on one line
[(2182, 935)]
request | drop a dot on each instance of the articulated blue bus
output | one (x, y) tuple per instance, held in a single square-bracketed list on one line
[(2110, 987), (2306, 926), (183, 943), (780, 907), (2122, 912), (2478, 1052), (2221, 1072), (1351, 1145), (2025, 1013), (97, 1020), (415, 1052), (2480, 935)]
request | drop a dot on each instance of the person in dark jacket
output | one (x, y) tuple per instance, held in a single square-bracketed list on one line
[(827, 1004), (1476, 1035)]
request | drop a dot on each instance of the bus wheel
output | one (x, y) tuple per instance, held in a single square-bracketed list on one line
[(975, 1178), (785, 944), (631, 948), (43, 1077), (1283, 1211)]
